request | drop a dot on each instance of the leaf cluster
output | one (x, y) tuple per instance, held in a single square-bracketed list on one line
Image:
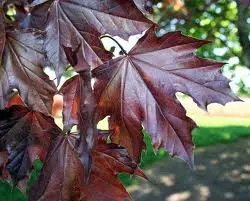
[(136, 90)]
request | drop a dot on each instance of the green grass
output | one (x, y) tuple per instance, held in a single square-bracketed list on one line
[(211, 131), (214, 130)]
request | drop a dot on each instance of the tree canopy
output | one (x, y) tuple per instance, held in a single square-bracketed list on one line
[(225, 22)]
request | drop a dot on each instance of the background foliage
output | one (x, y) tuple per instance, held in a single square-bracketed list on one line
[(225, 22)]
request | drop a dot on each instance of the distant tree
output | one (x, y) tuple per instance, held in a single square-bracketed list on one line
[(225, 22)]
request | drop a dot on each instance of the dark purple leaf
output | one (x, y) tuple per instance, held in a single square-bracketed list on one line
[(62, 175), (38, 14), (144, 5), (71, 101), (2, 34), (25, 136), (140, 89), (23, 70), (94, 18), (131, 138)]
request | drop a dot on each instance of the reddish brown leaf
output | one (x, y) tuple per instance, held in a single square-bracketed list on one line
[(144, 5), (131, 138), (26, 136), (3, 164), (2, 33), (38, 14), (140, 88), (15, 100), (75, 91), (78, 98), (140, 4), (4, 85), (76, 58), (22, 69), (62, 175), (66, 29), (71, 101), (4, 88), (87, 121)]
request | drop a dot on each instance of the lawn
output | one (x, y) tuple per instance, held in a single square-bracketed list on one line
[(211, 130)]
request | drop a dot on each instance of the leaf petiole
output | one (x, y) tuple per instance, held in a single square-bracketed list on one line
[(120, 46)]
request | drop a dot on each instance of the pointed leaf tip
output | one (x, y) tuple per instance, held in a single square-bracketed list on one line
[(139, 89)]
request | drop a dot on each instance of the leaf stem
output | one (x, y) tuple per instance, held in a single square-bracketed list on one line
[(120, 46)]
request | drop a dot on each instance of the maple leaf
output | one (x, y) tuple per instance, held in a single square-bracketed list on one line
[(140, 4), (4, 87), (25, 136), (15, 99), (130, 138), (37, 14), (144, 5), (22, 70), (2, 34), (71, 101), (78, 98), (136, 90), (66, 29), (62, 175), (140, 88)]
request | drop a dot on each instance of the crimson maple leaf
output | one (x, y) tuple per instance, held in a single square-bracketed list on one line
[(83, 114), (139, 88), (130, 138), (22, 69), (62, 175), (94, 18), (25, 136)]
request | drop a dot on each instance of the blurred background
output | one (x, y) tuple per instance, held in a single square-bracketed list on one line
[(225, 22), (222, 140)]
